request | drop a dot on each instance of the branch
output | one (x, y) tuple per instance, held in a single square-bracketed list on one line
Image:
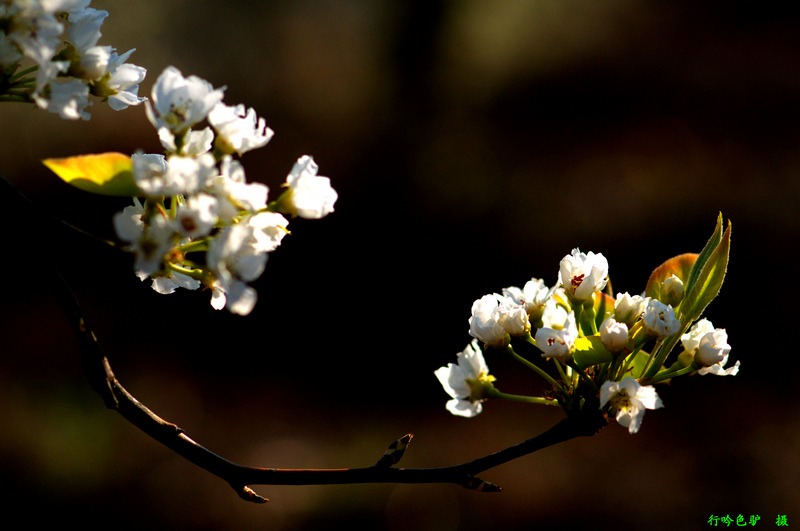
[(98, 370)]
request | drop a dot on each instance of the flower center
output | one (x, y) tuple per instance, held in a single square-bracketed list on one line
[(621, 400)]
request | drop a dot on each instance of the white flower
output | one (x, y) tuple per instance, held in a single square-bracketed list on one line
[(67, 99), (660, 319), (123, 82), (195, 143), (672, 289), (234, 259), (553, 315), (187, 175), (583, 274), (630, 399), (627, 308), (691, 339), (85, 29), (197, 216), (238, 130), (484, 323), (153, 242), (464, 382), (168, 284), (148, 172), (241, 194), (533, 294), (128, 224), (558, 343), (613, 334), (309, 196), (512, 316), (713, 352), (271, 229), (178, 103)]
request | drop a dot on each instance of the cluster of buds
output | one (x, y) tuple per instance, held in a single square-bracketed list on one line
[(200, 222), (608, 351), (49, 55)]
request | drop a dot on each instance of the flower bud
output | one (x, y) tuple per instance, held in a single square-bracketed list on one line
[(613, 334), (627, 308), (485, 322), (672, 291), (713, 348)]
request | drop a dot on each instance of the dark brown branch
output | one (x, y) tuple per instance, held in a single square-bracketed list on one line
[(102, 379)]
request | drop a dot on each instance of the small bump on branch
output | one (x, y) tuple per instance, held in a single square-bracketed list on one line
[(395, 451)]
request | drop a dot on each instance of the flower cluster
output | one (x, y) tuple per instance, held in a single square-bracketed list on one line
[(197, 200), (59, 38), (597, 342)]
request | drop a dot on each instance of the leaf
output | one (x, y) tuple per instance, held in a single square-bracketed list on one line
[(103, 173), (590, 351), (709, 280), (638, 364), (712, 244)]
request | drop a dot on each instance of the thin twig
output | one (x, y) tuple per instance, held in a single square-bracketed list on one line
[(102, 379)]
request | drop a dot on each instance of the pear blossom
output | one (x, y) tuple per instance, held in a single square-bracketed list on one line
[(554, 315), (485, 321), (168, 284), (309, 196), (710, 347), (234, 193), (628, 308), (238, 129), (197, 216), (513, 318), (660, 319), (533, 294), (271, 229), (188, 175), (180, 102), (233, 258), (672, 289), (150, 243), (128, 224), (68, 99), (558, 344), (630, 399), (122, 85), (691, 339), (148, 173), (613, 334), (466, 381), (195, 143), (583, 274)]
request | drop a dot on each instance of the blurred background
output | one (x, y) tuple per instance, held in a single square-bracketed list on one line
[(473, 144)]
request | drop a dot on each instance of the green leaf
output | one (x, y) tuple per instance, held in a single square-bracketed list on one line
[(709, 280), (637, 365), (705, 254), (590, 351), (103, 173)]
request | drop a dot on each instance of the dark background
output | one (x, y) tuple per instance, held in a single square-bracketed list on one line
[(473, 145)]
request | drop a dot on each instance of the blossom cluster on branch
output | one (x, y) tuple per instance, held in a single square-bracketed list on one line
[(49, 55), (599, 343), (201, 223)]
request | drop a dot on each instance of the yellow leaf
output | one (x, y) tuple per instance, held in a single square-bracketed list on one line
[(103, 173)]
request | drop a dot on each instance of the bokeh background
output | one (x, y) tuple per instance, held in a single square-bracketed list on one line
[(473, 145)]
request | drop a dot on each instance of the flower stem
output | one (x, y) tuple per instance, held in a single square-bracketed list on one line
[(537, 370), (528, 399)]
